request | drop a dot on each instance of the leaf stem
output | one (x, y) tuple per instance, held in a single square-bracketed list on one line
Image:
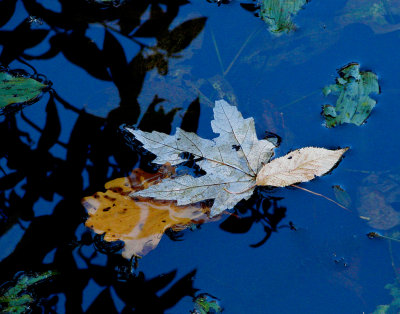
[(298, 99), (240, 50), (217, 51), (318, 194)]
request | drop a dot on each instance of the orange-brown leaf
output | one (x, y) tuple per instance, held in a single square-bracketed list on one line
[(139, 222)]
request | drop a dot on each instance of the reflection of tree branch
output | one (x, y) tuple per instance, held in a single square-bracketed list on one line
[(92, 144), (33, 125), (66, 104), (142, 45), (27, 64), (258, 207)]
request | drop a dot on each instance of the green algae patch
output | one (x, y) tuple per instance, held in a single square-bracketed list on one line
[(278, 14), (353, 89), (18, 89)]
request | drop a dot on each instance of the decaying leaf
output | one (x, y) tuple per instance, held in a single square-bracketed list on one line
[(233, 162), (379, 195), (301, 165), (352, 88), (18, 89), (139, 222), (278, 13), (17, 298)]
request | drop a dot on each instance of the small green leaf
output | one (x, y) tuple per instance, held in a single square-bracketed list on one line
[(24, 299), (342, 196), (17, 298), (278, 14), (353, 104), (18, 89), (207, 304)]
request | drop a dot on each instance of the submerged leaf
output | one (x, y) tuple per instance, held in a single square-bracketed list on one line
[(377, 14), (301, 165), (231, 160), (379, 195), (181, 36), (139, 222), (394, 306), (352, 88), (342, 196), (18, 89), (278, 13)]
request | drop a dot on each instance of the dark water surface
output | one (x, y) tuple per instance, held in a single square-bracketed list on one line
[(68, 145)]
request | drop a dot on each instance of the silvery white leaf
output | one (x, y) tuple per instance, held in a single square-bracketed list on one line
[(239, 134), (231, 161), (187, 190), (168, 148)]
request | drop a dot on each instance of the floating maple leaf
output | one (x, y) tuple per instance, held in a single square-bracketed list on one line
[(139, 222), (235, 162)]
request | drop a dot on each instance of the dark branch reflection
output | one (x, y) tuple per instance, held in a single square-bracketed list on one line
[(260, 209), (30, 171)]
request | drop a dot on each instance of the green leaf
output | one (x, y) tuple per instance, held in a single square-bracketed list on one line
[(16, 299), (207, 304), (278, 14), (353, 104), (342, 196), (18, 89)]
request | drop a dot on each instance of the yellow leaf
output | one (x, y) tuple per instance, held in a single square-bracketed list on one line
[(139, 222)]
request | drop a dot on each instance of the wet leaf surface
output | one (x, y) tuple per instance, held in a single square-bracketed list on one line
[(139, 222)]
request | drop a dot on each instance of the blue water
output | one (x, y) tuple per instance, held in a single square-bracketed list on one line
[(327, 265)]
